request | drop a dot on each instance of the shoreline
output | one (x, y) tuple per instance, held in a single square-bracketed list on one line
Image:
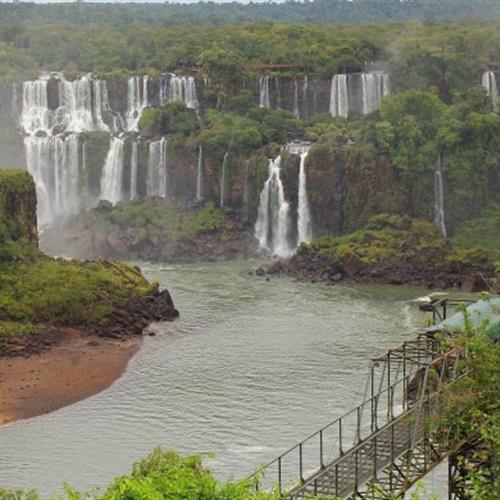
[(77, 367)]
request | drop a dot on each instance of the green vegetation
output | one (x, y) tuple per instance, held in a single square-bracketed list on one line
[(314, 11), (50, 291), (163, 475), (173, 118), (36, 290), (17, 214), (153, 218), (392, 239), (481, 232), (474, 409)]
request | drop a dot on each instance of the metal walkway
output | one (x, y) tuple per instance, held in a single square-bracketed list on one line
[(383, 446)]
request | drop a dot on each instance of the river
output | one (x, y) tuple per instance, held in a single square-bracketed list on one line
[(249, 368)]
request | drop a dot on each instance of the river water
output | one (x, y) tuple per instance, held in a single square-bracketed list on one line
[(251, 367)]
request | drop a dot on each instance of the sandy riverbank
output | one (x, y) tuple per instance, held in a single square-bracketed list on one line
[(74, 369)]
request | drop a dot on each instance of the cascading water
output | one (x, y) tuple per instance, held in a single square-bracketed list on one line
[(244, 208), (156, 182), (223, 180), (278, 92), (439, 218), (112, 172), (296, 110), (489, 82), (137, 100), (264, 99), (199, 175), (366, 96), (304, 226), (179, 88), (133, 171), (339, 97), (273, 220)]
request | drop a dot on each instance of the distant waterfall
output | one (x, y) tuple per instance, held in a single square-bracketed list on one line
[(264, 98), (111, 177), (439, 218), (304, 227), (273, 220), (489, 82), (363, 92), (133, 171), (339, 97), (179, 88), (278, 92), (199, 174), (244, 208), (156, 182), (223, 180), (137, 100), (296, 110)]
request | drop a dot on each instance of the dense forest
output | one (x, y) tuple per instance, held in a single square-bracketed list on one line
[(312, 11)]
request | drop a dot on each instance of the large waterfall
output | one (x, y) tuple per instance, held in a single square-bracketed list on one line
[(489, 82), (361, 92), (304, 227), (439, 199), (156, 182), (51, 124), (112, 172), (54, 112), (223, 180), (273, 220)]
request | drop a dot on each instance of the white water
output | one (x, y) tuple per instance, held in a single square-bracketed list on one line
[(374, 86), (273, 220), (156, 182), (179, 88), (439, 216), (489, 82), (112, 172), (244, 210), (304, 226), (223, 180), (264, 99), (339, 100), (137, 100), (296, 110), (53, 163), (133, 171), (199, 174)]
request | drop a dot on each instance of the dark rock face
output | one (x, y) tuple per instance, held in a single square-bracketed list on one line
[(137, 314)]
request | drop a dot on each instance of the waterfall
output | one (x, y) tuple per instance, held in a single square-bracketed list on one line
[(133, 171), (156, 183), (296, 110), (223, 180), (304, 226), (339, 103), (111, 177), (278, 92), (244, 208), (489, 82), (179, 88), (273, 221), (199, 174), (53, 162), (439, 218), (374, 85), (264, 100), (137, 100), (305, 90)]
